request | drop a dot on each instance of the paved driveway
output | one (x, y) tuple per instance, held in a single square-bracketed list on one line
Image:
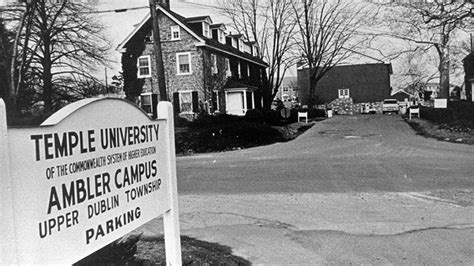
[(366, 153), (351, 190)]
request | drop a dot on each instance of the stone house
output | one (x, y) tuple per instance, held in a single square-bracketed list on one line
[(206, 70), (364, 83)]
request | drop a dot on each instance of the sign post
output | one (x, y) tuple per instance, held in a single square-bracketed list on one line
[(92, 172)]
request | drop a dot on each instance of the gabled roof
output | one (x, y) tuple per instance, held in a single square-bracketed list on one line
[(237, 36), (201, 40), (199, 19), (218, 26), (180, 20), (400, 91)]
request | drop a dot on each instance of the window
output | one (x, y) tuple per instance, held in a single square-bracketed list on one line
[(221, 36), (239, 73), (343, 93), (214, 63), (248, 70), (234, 43), (144, 66), (183, 63), (149, 37), (205, 30), (228, 73), (285, 89), (148, 101), (175, 33), (186, 101)]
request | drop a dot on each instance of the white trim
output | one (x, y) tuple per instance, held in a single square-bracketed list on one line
[(209, 32), (149, 66), (342, 93), (221, 36), (217, 100), (175, 28), (178, 72), (180, 102), (239, 70), (214, 69), (121, 46), (230, 53)]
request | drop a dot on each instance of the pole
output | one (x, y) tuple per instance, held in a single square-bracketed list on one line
[(158, 54), (106, 85)]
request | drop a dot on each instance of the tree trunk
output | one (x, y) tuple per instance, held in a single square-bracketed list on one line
[(443, 73), (47, 75)]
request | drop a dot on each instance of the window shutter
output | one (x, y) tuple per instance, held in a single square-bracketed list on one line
[(195, 102), (176, 102)]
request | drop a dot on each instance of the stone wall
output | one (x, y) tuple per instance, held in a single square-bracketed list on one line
[(348, 107), (342, 106)]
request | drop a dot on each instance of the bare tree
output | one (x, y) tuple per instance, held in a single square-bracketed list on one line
[(57, 42), (431, 25), (270, 25), (328, 34)]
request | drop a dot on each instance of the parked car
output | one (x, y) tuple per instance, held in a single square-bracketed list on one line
[(390, 106)]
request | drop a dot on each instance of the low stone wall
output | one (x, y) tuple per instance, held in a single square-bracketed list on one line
[(348, 107), (342, 106)]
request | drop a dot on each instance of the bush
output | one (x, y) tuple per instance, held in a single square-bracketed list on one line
[(225, 136), (437, 115), (463, 110), (254, 115), (210, 120)]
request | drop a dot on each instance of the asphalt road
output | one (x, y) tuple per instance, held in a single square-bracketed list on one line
[(368, 153), (363, 190)]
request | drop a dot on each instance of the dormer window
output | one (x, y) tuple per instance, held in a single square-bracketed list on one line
[(206, 31), (234, 43), (175, 33), (241, 45), (221, 36)]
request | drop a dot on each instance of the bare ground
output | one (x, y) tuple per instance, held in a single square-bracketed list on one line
[(442, 132)]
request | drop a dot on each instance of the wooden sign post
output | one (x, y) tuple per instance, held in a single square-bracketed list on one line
[(92, 172)]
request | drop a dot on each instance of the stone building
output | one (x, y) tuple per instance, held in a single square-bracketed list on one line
[(206, 70)]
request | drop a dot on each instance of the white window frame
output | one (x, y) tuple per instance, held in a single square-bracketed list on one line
[(228, 73), (221, 36), (214, 69), (148, 58), (248, 70), (181, 101), (175, 29), (206, 30), (235, 43), (343, 93), (178, 71), (239, 73), (218, 107)]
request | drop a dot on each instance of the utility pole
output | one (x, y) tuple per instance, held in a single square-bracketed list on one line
[(158, 55)]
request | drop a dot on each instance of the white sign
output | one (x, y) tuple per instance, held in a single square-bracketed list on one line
[(91, 173), (440, 103)]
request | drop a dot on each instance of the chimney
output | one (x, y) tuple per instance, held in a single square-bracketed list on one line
[(164, 3)]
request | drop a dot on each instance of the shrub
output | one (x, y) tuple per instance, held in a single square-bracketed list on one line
[(463, 110), (437, 115), (254, 115), (225, 136)]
